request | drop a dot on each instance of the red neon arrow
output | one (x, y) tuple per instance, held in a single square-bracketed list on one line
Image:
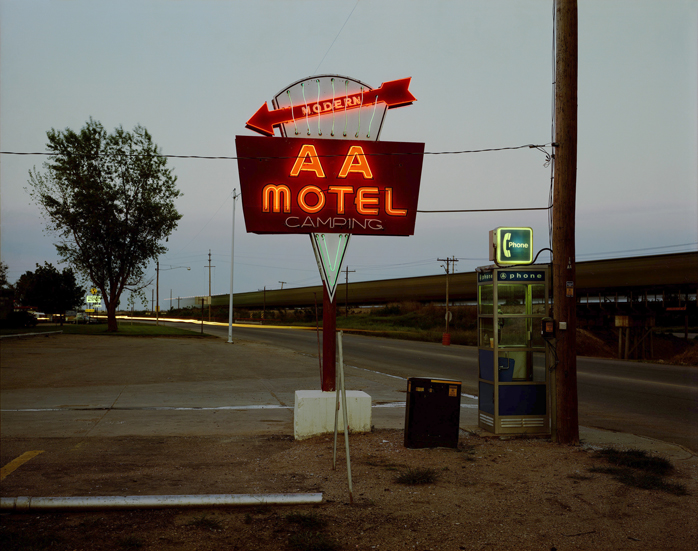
[(394, 94)]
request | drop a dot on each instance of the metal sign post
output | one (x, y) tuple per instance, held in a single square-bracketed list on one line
[(341, 388)]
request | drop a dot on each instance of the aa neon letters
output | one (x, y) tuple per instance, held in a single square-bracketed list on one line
[(312, 199), (309, 160)]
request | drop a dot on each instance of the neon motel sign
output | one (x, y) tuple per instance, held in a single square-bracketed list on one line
[(298, 185)]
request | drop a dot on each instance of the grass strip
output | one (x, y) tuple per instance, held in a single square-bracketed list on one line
[(132, 330)]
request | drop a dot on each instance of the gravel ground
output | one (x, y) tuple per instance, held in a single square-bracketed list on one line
[(487, 494)]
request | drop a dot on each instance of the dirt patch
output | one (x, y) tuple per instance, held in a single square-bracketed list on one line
[(595, 345), (487, 494), (666, 348), (687, 357)]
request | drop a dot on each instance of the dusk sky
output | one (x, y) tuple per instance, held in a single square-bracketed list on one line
[(194, 71)]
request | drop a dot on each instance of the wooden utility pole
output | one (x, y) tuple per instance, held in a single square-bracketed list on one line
[(448, 261), (566, 425), (209, 284)]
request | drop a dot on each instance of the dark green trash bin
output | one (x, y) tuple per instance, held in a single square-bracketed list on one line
[(432, 414)]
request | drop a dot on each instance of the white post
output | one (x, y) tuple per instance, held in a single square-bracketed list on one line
[(157, 286), (344, 411), (232, 266)]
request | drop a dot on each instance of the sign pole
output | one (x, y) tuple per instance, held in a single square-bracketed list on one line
[(329, 340)]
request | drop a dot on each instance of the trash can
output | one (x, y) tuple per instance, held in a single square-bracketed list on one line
[(432, 415)]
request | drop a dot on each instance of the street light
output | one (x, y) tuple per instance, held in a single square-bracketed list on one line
[(232, 266)]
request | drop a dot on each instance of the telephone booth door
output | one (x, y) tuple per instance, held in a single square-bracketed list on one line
[(514, 374)]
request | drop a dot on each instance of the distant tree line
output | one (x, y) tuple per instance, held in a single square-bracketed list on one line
[(46, 289), (49, 290)]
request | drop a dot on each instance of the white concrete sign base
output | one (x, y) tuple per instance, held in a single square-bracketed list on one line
[(313, 413)]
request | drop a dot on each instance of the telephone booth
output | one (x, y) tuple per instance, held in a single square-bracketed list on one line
[(514, 374)]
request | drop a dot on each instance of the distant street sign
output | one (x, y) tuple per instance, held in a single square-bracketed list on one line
[(93, 299), (94, 290)]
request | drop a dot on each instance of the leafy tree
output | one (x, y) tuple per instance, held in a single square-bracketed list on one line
[(110, 199), (49, 290)]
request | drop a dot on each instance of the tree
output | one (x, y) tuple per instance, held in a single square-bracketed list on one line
[(4, 284), (110, 199), (49, 290)]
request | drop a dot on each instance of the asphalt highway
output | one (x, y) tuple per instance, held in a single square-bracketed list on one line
[(647, 399)]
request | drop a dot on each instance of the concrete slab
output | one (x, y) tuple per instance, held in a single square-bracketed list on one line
[(315, 411)]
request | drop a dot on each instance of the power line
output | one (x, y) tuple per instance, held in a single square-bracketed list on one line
[(482, 210), (336, 37), (640, 250), (234, 158)]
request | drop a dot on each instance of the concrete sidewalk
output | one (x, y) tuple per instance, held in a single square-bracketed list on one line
[(70, 386)]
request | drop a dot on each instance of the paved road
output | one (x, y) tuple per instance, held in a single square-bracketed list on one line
[(654, 400)]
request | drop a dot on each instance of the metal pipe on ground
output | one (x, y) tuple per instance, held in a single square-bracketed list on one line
[(28, 504)]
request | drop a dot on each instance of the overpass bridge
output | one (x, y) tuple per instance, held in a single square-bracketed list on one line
[(661, 283)]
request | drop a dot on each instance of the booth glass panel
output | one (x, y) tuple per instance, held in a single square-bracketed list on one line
[(538, 306), (486, 332), (486, 299), (513, 331), (515, 365), (511, 299)]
